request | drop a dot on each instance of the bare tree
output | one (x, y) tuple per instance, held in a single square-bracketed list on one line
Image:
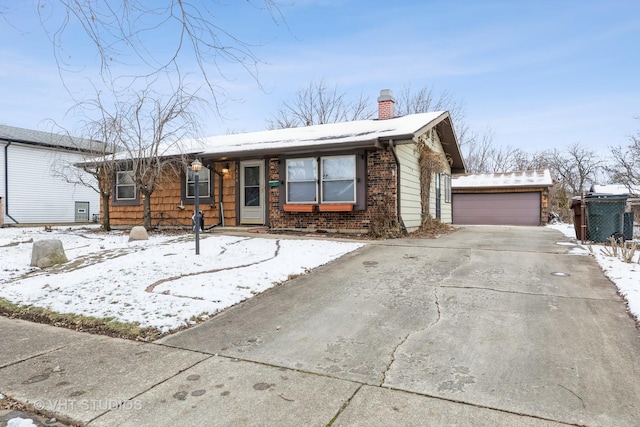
[(625, 168), (317, 104), (479, 152), (98, 150), (107, 129), (425, 99), (122, 35), (574, 167), (151, 130), (139, 138)]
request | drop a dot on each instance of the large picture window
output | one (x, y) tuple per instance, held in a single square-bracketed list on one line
[(204, 181), (338, 179), (125, 185), (302, 180), (328, 179)]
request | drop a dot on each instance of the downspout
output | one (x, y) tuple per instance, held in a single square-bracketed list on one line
[(220, 193), (220, 205), (395, 156), (6, 182)]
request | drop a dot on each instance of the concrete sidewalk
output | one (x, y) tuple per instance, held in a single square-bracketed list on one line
[(100, 381), (470, 329)]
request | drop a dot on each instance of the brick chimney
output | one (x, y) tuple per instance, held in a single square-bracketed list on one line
[(386, 104)]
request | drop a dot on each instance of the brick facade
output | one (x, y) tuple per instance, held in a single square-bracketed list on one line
[(381, 200)]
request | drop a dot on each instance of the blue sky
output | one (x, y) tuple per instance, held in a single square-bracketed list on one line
[(541, 74)]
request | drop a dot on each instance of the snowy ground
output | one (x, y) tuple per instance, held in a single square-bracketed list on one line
[(162, 283), (626, 276), (159, 282)]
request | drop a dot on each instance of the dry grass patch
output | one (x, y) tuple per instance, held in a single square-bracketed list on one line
[(432, 228), (80, 323)]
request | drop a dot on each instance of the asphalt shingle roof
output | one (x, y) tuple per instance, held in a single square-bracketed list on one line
[(48, 139)]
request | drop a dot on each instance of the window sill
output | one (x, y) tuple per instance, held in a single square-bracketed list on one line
[(190, 201), (298, 208), (335, 207), (128, 202)]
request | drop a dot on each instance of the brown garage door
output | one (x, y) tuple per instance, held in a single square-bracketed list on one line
[(497, 208)]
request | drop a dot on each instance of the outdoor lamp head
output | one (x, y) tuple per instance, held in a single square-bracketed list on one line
[(196, 165), (225, 168)]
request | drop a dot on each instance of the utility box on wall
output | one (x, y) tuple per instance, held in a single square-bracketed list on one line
[(82, 212)]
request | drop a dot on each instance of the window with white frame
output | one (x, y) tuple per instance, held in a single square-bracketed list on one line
[(338, 183), (302, 180), (447, 188), (329, 179), (125, 185), (204, 183)]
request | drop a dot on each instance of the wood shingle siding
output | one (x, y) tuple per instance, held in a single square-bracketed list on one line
[(169, 209)]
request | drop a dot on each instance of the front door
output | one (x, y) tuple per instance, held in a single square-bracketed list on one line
[(252, 192)]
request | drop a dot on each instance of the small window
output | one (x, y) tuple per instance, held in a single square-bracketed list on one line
[(339, 179), (204, 181), (302, 180), (447, 188), (125, 185)]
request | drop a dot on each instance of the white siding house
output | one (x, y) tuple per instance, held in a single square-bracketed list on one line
[(30, 190)]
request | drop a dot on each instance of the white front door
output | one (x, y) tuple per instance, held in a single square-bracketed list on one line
[(252, 192)]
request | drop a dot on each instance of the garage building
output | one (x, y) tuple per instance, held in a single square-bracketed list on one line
[(508, 198)]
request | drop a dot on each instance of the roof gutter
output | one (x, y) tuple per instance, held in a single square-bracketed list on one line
[(397, 159), (47, 145), (331, 147), (244, 152), (6, 182)]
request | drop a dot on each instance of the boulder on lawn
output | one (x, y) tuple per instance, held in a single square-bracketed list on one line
[(48, 252), (138, 233)]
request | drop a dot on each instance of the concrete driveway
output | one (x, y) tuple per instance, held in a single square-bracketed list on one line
[(486, 318), (488, 326)]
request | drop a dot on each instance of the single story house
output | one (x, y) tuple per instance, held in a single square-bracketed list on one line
[(508, 198), (31, 191), (332, 177)]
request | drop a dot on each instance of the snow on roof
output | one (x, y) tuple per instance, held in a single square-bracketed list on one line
[(327, 136), (361, 131), (532, 178), (614, 189)]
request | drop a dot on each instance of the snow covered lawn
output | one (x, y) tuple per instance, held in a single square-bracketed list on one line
[(161, 283), (626, 276), (158, 283)]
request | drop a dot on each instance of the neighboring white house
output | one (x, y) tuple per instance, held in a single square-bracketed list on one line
[(30, 190)]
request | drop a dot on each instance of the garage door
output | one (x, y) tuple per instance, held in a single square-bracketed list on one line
[(497, 209)]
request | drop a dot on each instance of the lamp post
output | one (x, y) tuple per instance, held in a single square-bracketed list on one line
[(196, 167)]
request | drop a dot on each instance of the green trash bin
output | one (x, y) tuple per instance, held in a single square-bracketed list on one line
[(605, 215)]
